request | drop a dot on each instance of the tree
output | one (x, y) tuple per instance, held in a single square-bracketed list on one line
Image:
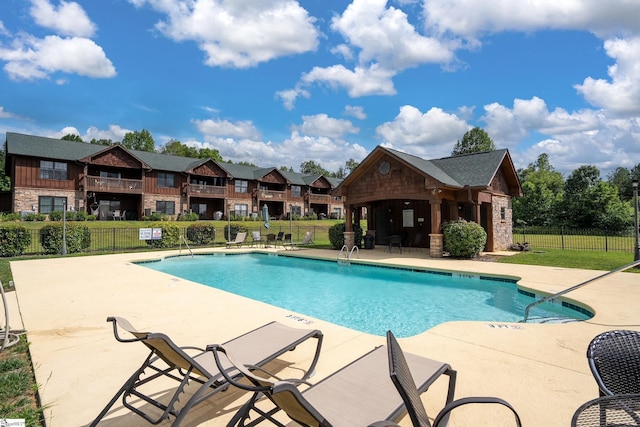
[(474, 141), (542, 189), (312, 168), (141, 141), (286, 169), (72, 137), (176, 148), (210, 153), (101, 141), (621, 178), (5, 181)]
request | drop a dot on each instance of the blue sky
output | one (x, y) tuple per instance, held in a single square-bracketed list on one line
[(279, 82)]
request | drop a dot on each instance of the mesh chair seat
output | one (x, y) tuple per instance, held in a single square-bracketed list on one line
[(614, 359)]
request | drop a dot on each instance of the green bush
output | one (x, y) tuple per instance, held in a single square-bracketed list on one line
[(15, 216), (189, 216), (170, 236), (78, 238), (55, 216), (336, 235), (34, 217), (235, 229), (463, 239), (14, 240), (201, 234), (156, 216)]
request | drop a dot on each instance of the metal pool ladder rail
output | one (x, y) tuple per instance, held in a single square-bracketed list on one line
[(344, 251), (579, 285)]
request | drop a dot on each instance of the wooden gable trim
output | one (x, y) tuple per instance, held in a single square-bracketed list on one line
[(274, 177), (321, 182), (209, 168), (115, 156)]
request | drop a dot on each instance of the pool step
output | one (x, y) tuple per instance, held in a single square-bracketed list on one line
[(552, 320)]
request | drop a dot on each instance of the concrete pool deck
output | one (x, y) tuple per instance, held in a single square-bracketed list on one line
[(63, 303)]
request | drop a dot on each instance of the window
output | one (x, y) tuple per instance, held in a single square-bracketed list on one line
[(104, 174), (295, 190), (296, 210), (242, 186), (168, 208), (241, 210), (503, 213), (48, 204), (165, 180), (53, 170), (199, 208)]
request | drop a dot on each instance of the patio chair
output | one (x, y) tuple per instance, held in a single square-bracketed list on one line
[(358, 394), (619, 410), (416, 242), (239, 240), (167, 360), (403, 380), (305, 242), (116, 215), (614, 360), (395, 241), (271, 240), (256, 238), (280, 238)]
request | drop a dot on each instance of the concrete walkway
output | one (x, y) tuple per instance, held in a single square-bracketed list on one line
[(63, 304)]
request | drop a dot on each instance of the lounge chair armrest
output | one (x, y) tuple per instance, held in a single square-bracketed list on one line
[(114, 320), (216, 349), (291, 380), (443, 416)]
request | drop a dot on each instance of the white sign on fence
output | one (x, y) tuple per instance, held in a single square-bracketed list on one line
[(149, 234)]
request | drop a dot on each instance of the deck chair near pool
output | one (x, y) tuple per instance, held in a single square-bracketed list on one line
[(256, 239), (239, 240), (280, 238), (168, 361), (402, 378), (359, 394), (294, 245), (614, 360)]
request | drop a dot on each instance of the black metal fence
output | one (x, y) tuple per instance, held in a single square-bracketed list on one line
[(573, 238), (113, 240)]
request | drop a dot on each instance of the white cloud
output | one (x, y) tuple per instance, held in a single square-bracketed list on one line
[(6, 114), (362, 81), (355, 111), (430, 135), (571, 139), (115, 133), (30, 58), (225, 128), (622, 94), (240, 33), (68, 19), (323, 125), (471, 19)]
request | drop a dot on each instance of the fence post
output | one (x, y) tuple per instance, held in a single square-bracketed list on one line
[(114, 239), (562, 236), (606, 241)]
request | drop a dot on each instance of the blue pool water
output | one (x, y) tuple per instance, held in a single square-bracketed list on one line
[(366, 298)]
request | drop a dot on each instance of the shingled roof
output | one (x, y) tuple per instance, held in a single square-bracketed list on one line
[(58, 149)]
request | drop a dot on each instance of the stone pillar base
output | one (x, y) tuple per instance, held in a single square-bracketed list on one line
[(436, 248), (349, 239)]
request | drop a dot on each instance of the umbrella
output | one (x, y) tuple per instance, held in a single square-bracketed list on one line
[(265, 215)]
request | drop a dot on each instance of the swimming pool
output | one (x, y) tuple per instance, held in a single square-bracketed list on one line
[(367, 298)]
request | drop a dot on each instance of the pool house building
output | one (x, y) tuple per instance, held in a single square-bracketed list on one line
[(410, 198)]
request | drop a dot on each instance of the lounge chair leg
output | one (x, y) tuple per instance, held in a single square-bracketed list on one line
[(240, 418)]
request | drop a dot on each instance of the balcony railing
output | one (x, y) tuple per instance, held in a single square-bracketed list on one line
[(207, 190), (119, 185), (272, 195), (319, 198)]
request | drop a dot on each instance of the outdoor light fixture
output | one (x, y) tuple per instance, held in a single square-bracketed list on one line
[(636, 249)]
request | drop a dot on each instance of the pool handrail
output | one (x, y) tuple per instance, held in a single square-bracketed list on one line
[(572, 288)]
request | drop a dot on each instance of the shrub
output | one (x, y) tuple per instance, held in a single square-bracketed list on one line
[(170, 236), (336, 235), (463, 239), (201, 234), (34, 217), (235, 229), (55, 216), (189, 216), (78, 238), (14, 240), (14, 216), (156, 216)]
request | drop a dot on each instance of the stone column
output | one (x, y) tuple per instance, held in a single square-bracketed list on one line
[(436, 245), (349, 239)]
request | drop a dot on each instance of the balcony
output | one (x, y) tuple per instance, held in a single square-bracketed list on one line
[(272, 195), (319, 198), (200, 190), (113, 185)]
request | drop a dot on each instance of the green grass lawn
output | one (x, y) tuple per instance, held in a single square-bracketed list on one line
[(591, 260)]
